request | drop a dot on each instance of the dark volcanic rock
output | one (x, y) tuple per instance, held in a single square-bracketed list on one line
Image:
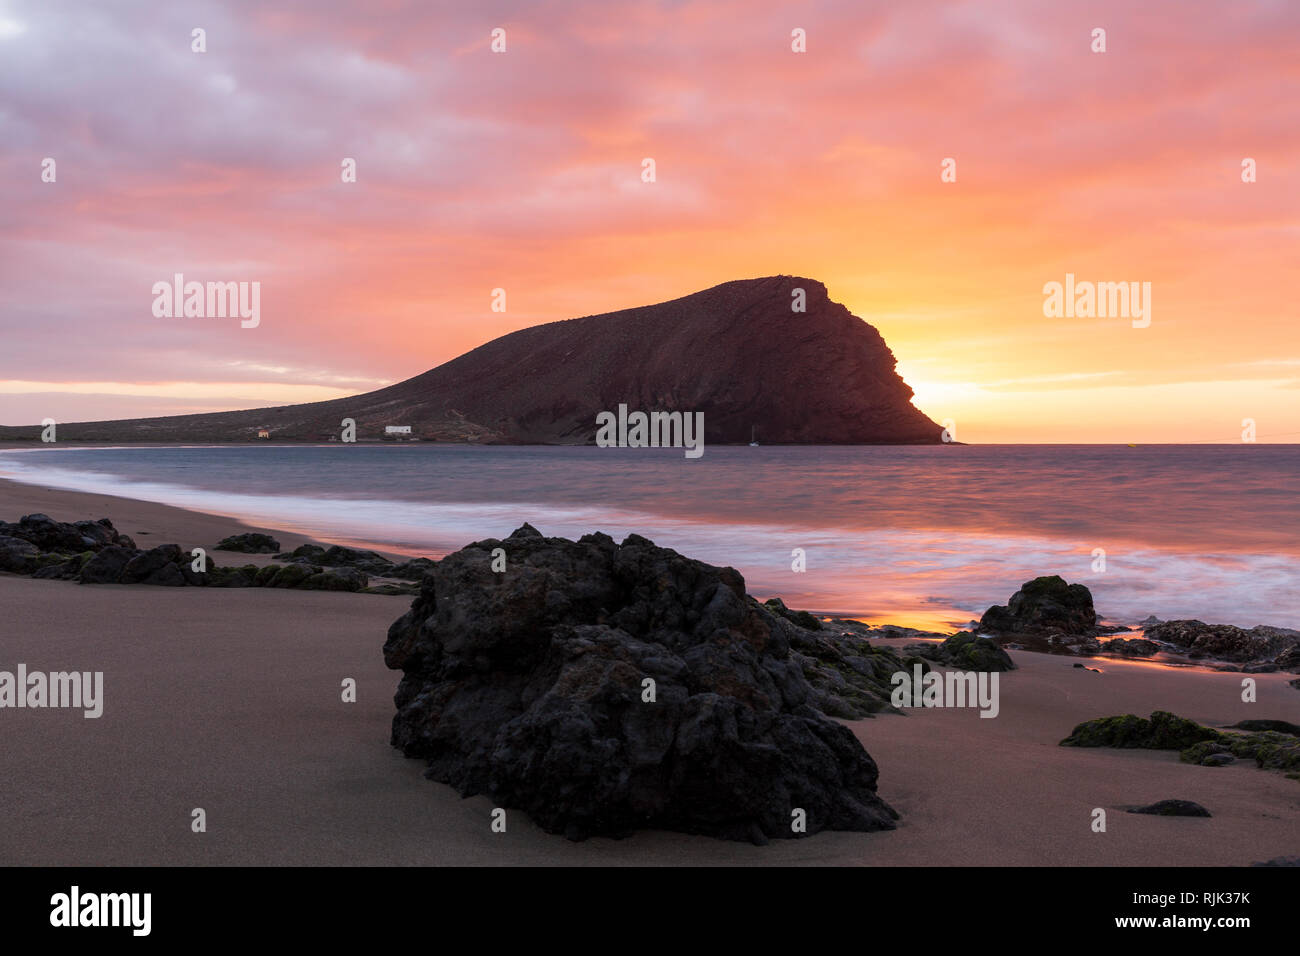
[(66, 538), (244, 576), (393, 590), (337, 579), (286, 575), (18, 555), (1048, 615), (1280, 861), (1164, 731), (802, 618), (1225, 642), (160, 565), (1173, 808), (1130, 647), (1289, 659), (966, 652), (249, 543), (1198, 744), (110, 558), (107, 565), (888, 631), (850, 677), (821, 376), (1278, 726), (528, 686), (413, 570), (368, 562), (1270, 750)]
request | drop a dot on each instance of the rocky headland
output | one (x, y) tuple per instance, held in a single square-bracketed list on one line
[(739, 353)]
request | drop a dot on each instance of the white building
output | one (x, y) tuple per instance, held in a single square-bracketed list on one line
[(397, 429)]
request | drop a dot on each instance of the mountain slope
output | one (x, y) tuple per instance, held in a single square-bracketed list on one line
[(736, 352)]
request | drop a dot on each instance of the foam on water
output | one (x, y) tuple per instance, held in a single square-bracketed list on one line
[(880, 561)]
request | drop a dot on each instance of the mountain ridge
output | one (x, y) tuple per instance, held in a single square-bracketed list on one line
[(735, 351)]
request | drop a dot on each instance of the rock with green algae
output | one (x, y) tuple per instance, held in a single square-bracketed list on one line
[(967, 652), (1269, 750), (1163, 731), (1281, 726), (1196, 744)]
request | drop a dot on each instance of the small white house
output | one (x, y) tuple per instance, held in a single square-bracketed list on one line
[(263, 433), (397, 429)]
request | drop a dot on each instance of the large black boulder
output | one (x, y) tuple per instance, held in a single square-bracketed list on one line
[(533, 686), (1045, 603), (1047, 615)]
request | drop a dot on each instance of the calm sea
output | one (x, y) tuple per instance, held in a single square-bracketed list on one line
[(912, 535)]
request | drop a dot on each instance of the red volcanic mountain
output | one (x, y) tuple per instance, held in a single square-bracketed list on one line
[(736, 352)]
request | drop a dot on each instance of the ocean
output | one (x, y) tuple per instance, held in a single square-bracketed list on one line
[(926, 536)]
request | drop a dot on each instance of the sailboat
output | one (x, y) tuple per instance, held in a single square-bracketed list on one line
[(753, 436)]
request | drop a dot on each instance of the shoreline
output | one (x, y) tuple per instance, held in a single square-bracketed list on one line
[(153, 523), (194, 677)]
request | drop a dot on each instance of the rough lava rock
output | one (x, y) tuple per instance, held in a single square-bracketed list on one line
[(1198, 744), (161, 565), (531, 686), (1173, 808), (250, 543), (18, 556), (1164, 731), (1130, 647), (106, 566), (1049, 616), (966, 652), (369, 563), (802, 618), (1044, 604), (106, 556), (1277, 726), (68, 538), (1225, 642)]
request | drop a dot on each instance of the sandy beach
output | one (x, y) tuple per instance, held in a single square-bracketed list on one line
[(230, 701)]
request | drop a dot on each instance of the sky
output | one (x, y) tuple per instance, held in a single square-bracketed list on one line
[(522, 170)]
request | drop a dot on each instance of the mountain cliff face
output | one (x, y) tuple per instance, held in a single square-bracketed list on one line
[(736, 352)]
